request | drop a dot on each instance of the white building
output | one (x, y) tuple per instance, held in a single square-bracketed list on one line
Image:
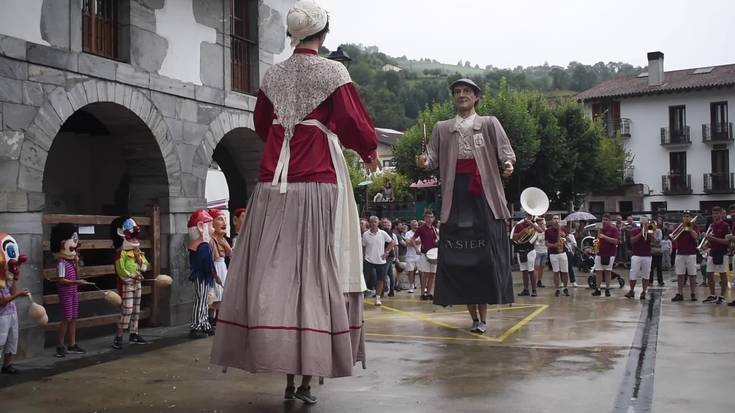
[(677, 127), (387, 138)]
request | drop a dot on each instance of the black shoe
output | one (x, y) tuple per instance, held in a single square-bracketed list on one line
[(694, 297), (304, 394), (677, 297), (539, 285), (720, 300), (117, 343), (430, 296), (289, 393), (557, 292), (60, 352), (75, 349), (732, 304), (597, 293), (607, 292), (630, 294), (534, 293), (9, 369), (422, 297), (391, 294), (661, 283), (197, 334), (523, 293), (643, 295), (210, 332), (137, 339), (566, 292)]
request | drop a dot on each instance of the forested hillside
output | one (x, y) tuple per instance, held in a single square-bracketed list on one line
[(395, 98)]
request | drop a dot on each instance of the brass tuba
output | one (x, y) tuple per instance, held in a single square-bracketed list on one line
[(535, 203)]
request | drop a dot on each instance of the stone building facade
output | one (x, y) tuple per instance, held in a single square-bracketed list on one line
[(89, 129)]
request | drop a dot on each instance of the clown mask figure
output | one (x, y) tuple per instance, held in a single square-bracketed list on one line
[(10, 259)]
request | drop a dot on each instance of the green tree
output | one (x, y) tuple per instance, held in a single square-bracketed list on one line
[(611, 161), (410, 144), (401, 185)]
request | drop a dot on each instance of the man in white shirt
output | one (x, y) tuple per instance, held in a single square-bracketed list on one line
[(376, 244)]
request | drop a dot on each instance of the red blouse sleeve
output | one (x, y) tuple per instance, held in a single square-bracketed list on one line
[(264, 115), (352, 123)]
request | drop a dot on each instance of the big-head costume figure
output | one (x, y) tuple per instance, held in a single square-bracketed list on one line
[(64, 245), (221, 249), (203, 275), (10, 259), (130, 264), (10, 262)]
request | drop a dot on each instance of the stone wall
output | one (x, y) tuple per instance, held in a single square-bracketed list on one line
[(41, 86)]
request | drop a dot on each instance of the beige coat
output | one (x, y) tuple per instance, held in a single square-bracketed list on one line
[(491, 148)]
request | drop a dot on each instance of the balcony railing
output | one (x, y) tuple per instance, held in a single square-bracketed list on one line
[(717, 133), (675, 136), (622, 126), (676, 184), (628, 174), (719, 183)]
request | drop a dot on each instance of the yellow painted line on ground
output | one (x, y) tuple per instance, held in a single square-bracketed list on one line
[(426, 319), (522, 323), (478, 338)]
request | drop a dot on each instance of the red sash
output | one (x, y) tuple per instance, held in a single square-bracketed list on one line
[(469, 167)]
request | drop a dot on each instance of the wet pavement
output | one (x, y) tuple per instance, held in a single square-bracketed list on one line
[(543, 354)]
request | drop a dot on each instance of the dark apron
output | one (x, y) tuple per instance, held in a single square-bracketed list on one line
[(474, 252)]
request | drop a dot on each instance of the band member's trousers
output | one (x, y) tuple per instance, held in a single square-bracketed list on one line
[(130, 308), (657, 266)]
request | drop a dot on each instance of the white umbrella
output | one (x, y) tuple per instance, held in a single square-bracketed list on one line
[(580, 216)]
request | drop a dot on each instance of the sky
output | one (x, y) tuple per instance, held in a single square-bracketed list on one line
[(509, 33)]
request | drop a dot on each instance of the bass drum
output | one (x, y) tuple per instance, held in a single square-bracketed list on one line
[(432, 256)]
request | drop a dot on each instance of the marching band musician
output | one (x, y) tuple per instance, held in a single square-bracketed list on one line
[(640, 261), (526, 254), (685, 264), (474, 252), (555, 241), (718, 238), (608, 237)]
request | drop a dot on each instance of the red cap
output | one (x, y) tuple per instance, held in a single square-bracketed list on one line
[(199, 216), (214, 213), (238, 211)]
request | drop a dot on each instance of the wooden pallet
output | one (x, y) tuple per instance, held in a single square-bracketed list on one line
[(152, 247)]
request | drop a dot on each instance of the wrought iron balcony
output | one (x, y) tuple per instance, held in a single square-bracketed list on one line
[(675, 137), (719, 183), (622, 126), (717, 133), (676, 184)]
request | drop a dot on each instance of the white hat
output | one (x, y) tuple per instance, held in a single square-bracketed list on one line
[(305, 19)]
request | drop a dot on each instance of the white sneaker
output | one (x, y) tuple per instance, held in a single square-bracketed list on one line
[(481, 327), (410, 290), (474, 326), (575, 285), (377, 301)]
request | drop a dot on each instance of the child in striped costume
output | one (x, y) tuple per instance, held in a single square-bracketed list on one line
[(130, 264), (64, 243)]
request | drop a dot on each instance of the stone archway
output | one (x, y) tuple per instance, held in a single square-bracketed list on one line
[(231, 144), (62, 104)]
